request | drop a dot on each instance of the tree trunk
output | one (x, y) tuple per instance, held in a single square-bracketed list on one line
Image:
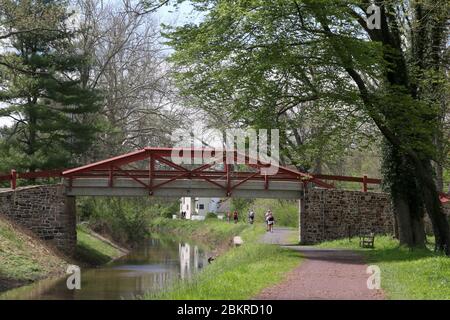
[(396, 228), (418, 231), (439, 177), (411, 231), (406, 198), (433, 205), (401, 210)]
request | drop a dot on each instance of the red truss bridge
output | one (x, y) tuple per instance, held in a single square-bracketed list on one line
[(152, 172)]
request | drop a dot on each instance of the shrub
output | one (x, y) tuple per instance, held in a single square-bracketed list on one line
[(126, 220), (211, 215)]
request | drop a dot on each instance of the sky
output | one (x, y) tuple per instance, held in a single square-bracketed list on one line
[(181, 15)]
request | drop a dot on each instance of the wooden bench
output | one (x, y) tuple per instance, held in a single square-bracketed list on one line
[(367, 240)]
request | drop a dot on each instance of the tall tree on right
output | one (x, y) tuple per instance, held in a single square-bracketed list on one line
[(395, 73)]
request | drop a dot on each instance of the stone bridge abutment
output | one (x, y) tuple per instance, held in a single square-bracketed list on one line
[(330, 214), (46, 211)]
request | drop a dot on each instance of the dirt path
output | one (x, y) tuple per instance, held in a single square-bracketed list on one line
[(324, 274)]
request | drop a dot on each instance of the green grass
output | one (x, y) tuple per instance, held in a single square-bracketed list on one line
[(241, 273), (93, 250), (23, 257), (213, 231), (405, 274)]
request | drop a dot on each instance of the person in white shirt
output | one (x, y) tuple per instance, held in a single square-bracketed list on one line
[(266, 218)]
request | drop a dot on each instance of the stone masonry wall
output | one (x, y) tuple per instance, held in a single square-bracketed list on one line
[(44, 210), (329, 214)]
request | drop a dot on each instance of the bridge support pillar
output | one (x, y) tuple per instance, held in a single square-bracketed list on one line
[(302, 217), (68, 241), (336, 214), (46, 211)]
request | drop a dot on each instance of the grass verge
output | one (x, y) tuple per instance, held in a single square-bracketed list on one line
[(212, 231), (405, 273), (94, 250), (239, 273), (24, 258)]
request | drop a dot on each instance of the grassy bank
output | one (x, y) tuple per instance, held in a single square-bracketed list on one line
[(212, 231), (93, 249), (239, 273), (405, 274), (24, 258)]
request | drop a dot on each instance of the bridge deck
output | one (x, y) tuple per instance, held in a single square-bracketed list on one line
[(182, 188)]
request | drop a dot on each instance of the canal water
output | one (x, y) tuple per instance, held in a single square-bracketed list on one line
[(150, 267)]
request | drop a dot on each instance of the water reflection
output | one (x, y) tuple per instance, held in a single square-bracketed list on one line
[(148, 268), (188, 258)]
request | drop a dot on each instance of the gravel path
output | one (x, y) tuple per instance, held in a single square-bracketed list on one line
[(324, 274), (279, 236)]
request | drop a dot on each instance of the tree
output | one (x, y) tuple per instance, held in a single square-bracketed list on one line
[(128, 66), (323, 52), (40, 87)]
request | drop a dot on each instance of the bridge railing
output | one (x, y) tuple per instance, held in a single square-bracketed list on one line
[(364, 179), (14, 176)]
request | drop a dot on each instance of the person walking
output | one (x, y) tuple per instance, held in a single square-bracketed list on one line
[(229, 216), (266, 218), (235, 216), (270, 222), (251, 216)]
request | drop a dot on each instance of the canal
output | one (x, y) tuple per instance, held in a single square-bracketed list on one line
[(150, 267)]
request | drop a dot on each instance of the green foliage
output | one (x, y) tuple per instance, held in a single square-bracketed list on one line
[(126, 220), (210, 231), (285, 211), (41, 88), (241, 205), (211, 215), (447, 180), (248, 61)]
